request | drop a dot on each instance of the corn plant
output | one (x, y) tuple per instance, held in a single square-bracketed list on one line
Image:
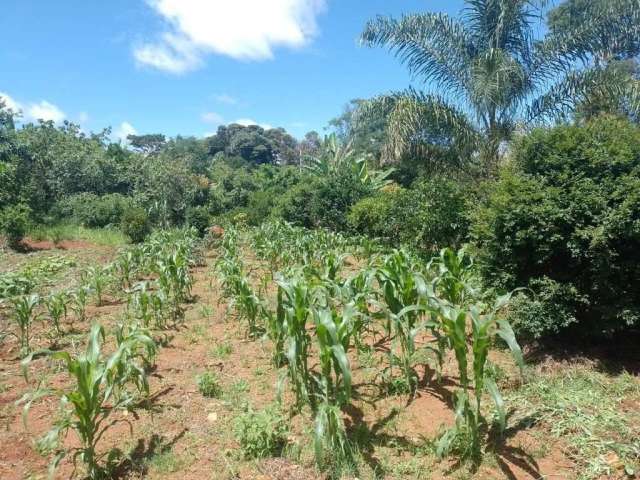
[(56, 304), (97, 279), (125, 266), (174, 278), (24, 313), (404, 290), (139, 301), (359, 290), (99, 387), (138, 351), (79, 299), (295, 300), (485, 325)]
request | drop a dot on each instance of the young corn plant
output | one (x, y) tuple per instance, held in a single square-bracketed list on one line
[(404, 291), (360, 291), (482, 324), (125, 268), (99, 387), (140, 303), (24, 313), (97, 278), (295, 302), (56, 304), (79, 299), (334, 331), (174, 279)]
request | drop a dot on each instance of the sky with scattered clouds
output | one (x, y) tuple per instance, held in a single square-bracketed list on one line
[(188, 66)]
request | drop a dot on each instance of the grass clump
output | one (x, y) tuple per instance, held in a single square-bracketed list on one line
[(262, 433), (586, 410), (110, 237), (209, 385)]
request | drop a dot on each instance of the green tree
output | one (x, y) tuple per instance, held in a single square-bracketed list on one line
[(614, 51), (367, 135), (563, 221), (490, 72), (148, 144)]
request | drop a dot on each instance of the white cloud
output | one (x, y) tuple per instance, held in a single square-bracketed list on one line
[(45, 111), (42, 110), (212, 117), (226, 99), (83, 117), (241, 29), (245, 122), (123, 131), (10, 103)]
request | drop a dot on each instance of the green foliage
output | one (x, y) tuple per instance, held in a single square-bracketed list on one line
[(562, 221), (99, 386), (586, 410), (333, 197), (24, 313), (14, 222), (92, 210), (295, 205), (261, 433), (209, 385), (487, 71), (198, 218), (427, 217), (56, 304), (135, 224)]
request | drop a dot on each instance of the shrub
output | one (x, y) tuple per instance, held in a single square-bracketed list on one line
[(372, 215), (261, 204), (429, 216), (335, 196), (135, 224), (14, 221), (563, 220), (198, 218), (295, 205), (261, 433), (209, 385), (94, 211)]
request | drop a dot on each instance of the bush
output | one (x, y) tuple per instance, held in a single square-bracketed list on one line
[(261, 205), (371, 216), (135, 224), (295, 205), (198, 218), (94, 211), (209, 385), (262, 433), (563, 220), (429, 216), (334, 197), (14, 222)]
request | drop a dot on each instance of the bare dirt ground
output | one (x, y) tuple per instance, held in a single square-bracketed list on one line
[(183, 435)]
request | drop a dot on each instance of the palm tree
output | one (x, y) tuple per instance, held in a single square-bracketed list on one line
[(488, 72)]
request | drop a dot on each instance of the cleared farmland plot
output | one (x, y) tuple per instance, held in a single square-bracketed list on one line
[(284, 353)]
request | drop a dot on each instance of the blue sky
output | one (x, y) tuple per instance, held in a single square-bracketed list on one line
[(185, 66)]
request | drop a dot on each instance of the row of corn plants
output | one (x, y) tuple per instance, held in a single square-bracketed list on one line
[(156, 280), (423, 309)]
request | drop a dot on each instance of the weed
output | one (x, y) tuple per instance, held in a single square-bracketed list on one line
[(209, 385), (261, 433)]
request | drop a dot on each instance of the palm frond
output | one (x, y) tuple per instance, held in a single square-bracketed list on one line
[(419, 122), (577, 87), (432, 46)]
